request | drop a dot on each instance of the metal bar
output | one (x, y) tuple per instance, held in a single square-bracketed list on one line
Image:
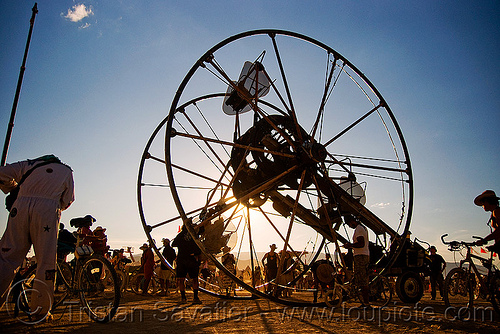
[(222, 142), (353, 125), (18, 89)]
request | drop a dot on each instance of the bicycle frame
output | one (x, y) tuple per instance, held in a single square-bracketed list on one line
[(461, 282), (483, 281)]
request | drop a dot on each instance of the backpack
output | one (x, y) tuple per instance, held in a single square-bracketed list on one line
[(12, 196)]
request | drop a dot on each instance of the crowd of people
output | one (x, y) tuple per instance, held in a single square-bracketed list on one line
[(50, 189)]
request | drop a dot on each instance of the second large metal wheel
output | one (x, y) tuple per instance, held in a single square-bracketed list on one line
[(274, 138)]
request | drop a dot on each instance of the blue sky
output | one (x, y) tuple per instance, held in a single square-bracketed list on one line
[(101, 75)]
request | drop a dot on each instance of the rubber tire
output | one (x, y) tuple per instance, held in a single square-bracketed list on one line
[(495, 291), (410, 287)]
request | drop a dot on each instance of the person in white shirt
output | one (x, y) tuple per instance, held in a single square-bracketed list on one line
[(34, 220), (361, 253)]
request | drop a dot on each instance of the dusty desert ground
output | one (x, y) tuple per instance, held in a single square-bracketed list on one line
[(166, 314)]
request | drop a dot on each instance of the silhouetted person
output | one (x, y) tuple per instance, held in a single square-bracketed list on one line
[(188, 263), (271, 265), (359, 246), (45, 191), (437, 266), (489, 201)]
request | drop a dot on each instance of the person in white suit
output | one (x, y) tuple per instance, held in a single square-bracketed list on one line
[(46, 189)]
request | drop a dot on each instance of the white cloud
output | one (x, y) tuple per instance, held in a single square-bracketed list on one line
[(78, 13), (85, 26), (380, 205)]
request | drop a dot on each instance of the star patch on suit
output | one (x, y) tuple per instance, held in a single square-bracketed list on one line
[(46, 228)]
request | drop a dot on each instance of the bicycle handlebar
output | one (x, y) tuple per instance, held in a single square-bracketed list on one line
[(455, 245)]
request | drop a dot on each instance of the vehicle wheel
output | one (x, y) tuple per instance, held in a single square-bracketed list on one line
[(380, 292), (333, 297), (64, 279), (459, 292), (120, 275), (258, 149), (138, 284), (20, 295), (100, 295), (410, 287)]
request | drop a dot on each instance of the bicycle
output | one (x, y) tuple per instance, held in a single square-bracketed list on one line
[(137, 282), (91, 278), (466, 283), (344, 288)]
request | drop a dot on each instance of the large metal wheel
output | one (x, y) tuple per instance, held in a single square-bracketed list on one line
[(273, 138)]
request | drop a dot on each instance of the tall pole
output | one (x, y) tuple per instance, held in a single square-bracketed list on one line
[(18, 90)]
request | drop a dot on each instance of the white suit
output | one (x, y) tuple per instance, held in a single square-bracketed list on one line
[(34, 219)]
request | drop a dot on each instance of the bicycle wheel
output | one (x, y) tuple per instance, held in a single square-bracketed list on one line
[(120, 275), (459, 293), (495, 292), (20, 295), (64, 280), (380, 292), (138, 284), (22, 289), (100, 297), (277, 154), (333, 297)]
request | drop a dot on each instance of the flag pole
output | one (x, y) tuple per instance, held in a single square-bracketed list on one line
[(18, 90)]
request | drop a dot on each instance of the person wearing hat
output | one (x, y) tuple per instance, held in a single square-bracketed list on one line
[(323, 273), (271, 265), (147, 266), (436, 267), (165, 273), (99, 241), (489, 201)]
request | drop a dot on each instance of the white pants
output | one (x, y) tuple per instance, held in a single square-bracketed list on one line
[(32, 221)]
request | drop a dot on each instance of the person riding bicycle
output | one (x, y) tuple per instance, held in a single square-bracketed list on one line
[(489, 201)]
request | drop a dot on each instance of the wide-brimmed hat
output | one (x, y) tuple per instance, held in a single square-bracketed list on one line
[(144, 246), (485, 194), (99, 228), (325, 272), (226, 249), (165, 239), (273, 246)]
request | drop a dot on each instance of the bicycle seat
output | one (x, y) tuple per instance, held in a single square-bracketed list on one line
[(88, 220)]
